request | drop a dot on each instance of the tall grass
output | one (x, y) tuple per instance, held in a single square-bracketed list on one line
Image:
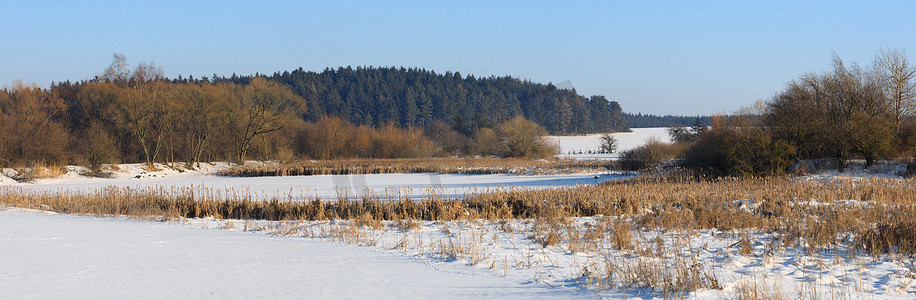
[(873, 215), (33, 173), (516, 166)]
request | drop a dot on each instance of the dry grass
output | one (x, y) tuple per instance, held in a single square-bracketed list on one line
[(621, 236), (861, 216), (874, 215), (671, 278), (420, 165), (758, 291), (34, 173)]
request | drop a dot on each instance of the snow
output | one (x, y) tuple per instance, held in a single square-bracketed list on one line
[(592, 142), (77, 257), (46, 255), (512, 253), (826, 169), (66, 256), (385, 186)]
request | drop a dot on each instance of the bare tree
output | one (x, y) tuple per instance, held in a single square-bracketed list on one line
[(834, 114), (138, 113), (118, 71), (203, 117), (31, 130), (261, 107), (898, 79), (145, 72), (608, 143)]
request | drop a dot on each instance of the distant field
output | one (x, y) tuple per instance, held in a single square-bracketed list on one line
[(571, 145)]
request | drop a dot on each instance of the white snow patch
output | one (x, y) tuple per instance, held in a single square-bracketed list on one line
[(570, 146), (76, 257)]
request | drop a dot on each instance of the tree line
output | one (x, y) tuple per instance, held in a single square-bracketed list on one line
[(413, 97), (333, 138), (140, 117), (137, 115), (640, 120), (848, 112)]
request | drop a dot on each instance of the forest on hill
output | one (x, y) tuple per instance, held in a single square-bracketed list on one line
[(417, 98), (138, 115)]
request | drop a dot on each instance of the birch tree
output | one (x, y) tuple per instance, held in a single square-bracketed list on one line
[(898, 79)]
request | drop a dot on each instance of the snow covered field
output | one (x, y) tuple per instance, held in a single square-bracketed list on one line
[(46, 256), (571, 145), (54, 256)]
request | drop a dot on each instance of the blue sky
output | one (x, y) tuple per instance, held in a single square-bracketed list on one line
[(662, 57)]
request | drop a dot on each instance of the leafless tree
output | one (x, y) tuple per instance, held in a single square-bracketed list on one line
[(898, 79), (259, 108), (608, 143), (118, 71), (145, 72), (835, 114)]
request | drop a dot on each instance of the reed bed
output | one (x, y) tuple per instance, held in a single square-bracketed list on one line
[(477, 166), (640, 235), (875, 215)]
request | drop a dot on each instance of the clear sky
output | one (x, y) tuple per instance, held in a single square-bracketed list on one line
[(661, 57)]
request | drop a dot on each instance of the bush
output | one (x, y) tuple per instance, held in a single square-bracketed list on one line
[(739, 152), (649, 154), (329, 138), (392, 142), (336, 138), (487, 142), (906, 139), (520, 137), (448, 140)]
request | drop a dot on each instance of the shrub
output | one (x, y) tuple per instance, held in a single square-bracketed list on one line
[(520, 137), (487, 141), (330, 137), (393, 142), (335, 138), (739, 152), (906, 139), (448, 140), (649, 154)]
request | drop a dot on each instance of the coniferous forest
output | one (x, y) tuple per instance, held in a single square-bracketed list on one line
[(418, 97), (640, 120)]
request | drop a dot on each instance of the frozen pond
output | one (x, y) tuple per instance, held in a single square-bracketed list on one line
[(327, 187)]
